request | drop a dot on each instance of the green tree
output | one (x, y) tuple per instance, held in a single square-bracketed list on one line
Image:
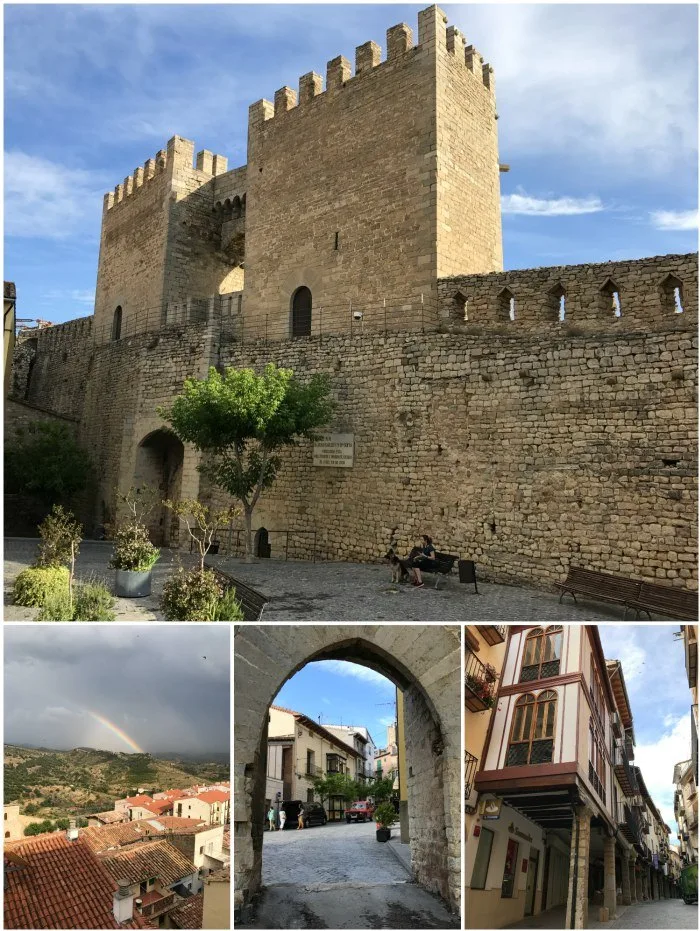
[(242, 420), (39, 827), (381, 790), (43, 459), (337, 784)]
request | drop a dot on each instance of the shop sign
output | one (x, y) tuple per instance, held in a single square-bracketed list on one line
[(513, 830), (491, 809)]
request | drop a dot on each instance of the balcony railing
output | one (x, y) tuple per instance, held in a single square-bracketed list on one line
[(595, 782), (470, 762), (493, 633), (625, 773), (631, 826), (480, 684), (160, 905)]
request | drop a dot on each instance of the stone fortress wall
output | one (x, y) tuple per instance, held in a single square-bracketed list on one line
[(525, 443)]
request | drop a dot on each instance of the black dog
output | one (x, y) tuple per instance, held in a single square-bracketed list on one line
[(399, 567)]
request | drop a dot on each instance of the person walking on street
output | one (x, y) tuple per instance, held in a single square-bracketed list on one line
[(283, 818), (271, 818), (300, 819)]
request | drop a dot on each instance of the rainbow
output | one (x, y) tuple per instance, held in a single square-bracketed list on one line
[(116, 730)]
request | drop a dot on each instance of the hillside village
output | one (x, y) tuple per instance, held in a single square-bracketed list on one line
[(153, 860)]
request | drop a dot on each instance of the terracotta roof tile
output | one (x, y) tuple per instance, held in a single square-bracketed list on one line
[(110, 817), (106, 837), (63, 885), (158, 858), (189, 914), (214, 795)]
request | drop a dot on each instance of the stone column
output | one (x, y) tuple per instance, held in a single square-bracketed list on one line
[(638, 883), (627, 865), (631, 877), (579, 860), (609, 884), (654, 885)]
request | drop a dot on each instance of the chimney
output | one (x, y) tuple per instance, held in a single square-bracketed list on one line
[(72, 832), (123, 903)]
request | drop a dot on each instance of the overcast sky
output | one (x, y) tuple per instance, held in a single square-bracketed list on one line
[(166, 687), (597, 105), (653, 664)]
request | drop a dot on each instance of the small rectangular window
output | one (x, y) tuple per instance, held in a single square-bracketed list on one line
[(483, 858)]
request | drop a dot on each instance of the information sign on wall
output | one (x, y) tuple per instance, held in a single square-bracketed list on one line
[(336, 450)]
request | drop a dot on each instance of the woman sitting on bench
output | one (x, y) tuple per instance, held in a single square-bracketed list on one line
[(426, 555)]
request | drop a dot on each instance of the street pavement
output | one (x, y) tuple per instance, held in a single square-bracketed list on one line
[(338, 876), (665, 913), (328, 592)]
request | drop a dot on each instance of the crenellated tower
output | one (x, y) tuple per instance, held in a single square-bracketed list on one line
[(377, 185)]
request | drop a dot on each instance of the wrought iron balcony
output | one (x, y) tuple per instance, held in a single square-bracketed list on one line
[(625, 774), (631, 826), (470, 763), (480, 684), (595, 782), (493, 633)]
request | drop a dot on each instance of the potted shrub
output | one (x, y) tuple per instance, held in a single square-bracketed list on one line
[(134, 555), (134, 558), (384, 816)]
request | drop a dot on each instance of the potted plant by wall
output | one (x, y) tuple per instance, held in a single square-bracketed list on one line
[(384, 816), (134, 558), (134, 555)]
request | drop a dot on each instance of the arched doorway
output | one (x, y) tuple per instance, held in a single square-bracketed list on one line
[(301, 312), (424, 664), (159, 461)]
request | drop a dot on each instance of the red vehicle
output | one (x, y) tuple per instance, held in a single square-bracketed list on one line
[(359, 811)]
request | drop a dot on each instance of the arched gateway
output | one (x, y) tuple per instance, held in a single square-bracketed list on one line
[(424, 662), (159, 461)]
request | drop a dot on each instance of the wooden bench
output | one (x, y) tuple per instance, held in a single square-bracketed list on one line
[(443, 564), (600, 586), (671, 602), (252, 602)]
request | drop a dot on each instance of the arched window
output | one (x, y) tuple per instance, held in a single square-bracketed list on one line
[(610, 298), (557, 302), (532, 730), (117, 324), (301, 312), (506, 305), (542, 653)]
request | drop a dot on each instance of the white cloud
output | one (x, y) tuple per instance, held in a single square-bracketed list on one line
[(578, 80), (364, 673), (675, 220), (86, 296), (388, 720), (656, 761), (550, 207), (44, 199)]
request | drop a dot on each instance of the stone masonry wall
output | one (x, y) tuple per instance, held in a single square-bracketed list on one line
[(55, 367), (645, 288)]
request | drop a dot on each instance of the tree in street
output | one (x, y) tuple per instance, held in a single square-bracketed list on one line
[(242, 420)]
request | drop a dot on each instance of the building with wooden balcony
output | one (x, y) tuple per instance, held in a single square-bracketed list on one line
[(558, 809), (299, 750)]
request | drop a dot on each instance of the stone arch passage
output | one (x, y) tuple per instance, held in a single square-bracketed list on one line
[(159, 460), (424, 662)]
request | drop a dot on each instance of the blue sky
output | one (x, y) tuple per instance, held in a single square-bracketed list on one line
[(597, 105), (653, 663), (342, 693)]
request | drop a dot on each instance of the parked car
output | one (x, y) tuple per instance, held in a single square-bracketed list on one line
[(314, 813), (359, 811)]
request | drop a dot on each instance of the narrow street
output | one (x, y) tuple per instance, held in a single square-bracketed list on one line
[(666, 913), (338, 876)]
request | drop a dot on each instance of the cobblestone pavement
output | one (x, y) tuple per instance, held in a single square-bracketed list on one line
[(330, 853), (347, 905), (329, 591), (665, 913)]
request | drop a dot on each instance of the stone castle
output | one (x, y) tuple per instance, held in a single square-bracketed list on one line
[(525, 419)]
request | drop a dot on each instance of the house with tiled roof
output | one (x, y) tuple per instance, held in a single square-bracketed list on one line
[(107, 817), (217, 900), (57, 881), (150, 808), (189, 914), (124, 804), (158, 875), (103, 838), (210, 805)]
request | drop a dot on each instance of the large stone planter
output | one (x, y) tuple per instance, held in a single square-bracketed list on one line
[(132, 584), (383, 834)]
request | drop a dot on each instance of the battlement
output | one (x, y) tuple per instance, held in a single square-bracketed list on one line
[(72, 332), (433, 35), (651, 293), (178, 154)]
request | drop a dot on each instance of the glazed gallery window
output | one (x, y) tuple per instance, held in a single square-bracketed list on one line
[(510, 870), (532, 730), (483, 857), (542, 653)]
